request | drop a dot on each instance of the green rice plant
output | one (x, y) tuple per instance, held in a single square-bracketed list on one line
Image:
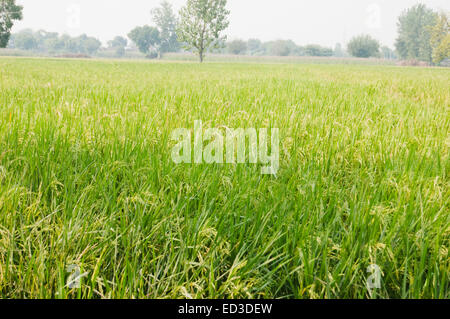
[(87, 179)]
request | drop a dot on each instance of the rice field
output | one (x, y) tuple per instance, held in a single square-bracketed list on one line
[(87, 179)]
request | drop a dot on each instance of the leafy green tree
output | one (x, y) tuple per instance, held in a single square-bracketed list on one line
[(9, 12), (145, 38), (413, 41), (118, 44), (237, 47), (201, 25), (166, 22), (363, 46), (440, 38)]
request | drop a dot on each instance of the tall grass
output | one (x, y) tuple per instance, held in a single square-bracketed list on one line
[(86, 178)]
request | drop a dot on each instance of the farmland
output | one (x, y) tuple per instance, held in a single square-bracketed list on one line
[(87, 179)]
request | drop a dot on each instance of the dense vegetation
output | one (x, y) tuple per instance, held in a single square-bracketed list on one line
[(86, 178)]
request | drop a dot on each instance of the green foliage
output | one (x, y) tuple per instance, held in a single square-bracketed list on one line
[(118, 44), (237, 47), (166, 22), (289, 48), (86, 178), (51, 43), (145, 38), (87, 45), (440, 38), (413, 41), (317, 50), (9, 12), (201, 25), (363, 46), (280, 47), (24, 40), (255, 47), (387, 53)]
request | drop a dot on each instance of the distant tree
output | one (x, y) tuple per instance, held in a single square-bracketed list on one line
[(440, 38), (313, 50), (299, 51), (166, 22), (338, 51), (145, 38), (277, 48), (25, 40), (237, 47), (387, 53), (294, 49), (317, 50), (201, 24), (51, 42), (118, 44), (90, 45), (43, 39), (9, 12), (82, 44), (68, 44), (254, 46), (280, 47), (54, 45), (364, 46), (413, 41)]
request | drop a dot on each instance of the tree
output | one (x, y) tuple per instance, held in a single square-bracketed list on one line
[(55, 45), (90, 45), (237, 47), (25, 40), (280, 47), (440, 38), (364, 46), (166, 23), (145, 38), (9, 12), (338, 51), (118, 44), (201, 24), (51, 42), (317, 50), (413, 41), (254, 46), (43, 39), (387, 53)]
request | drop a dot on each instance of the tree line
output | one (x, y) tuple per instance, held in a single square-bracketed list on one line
[(423, 35), (53, 43)]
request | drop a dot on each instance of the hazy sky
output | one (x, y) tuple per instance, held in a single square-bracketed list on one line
[(324, 22)]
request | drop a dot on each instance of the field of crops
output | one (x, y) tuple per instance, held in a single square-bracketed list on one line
[(87, 179)]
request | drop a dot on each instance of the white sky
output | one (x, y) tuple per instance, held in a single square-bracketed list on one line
[(324, 22)]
